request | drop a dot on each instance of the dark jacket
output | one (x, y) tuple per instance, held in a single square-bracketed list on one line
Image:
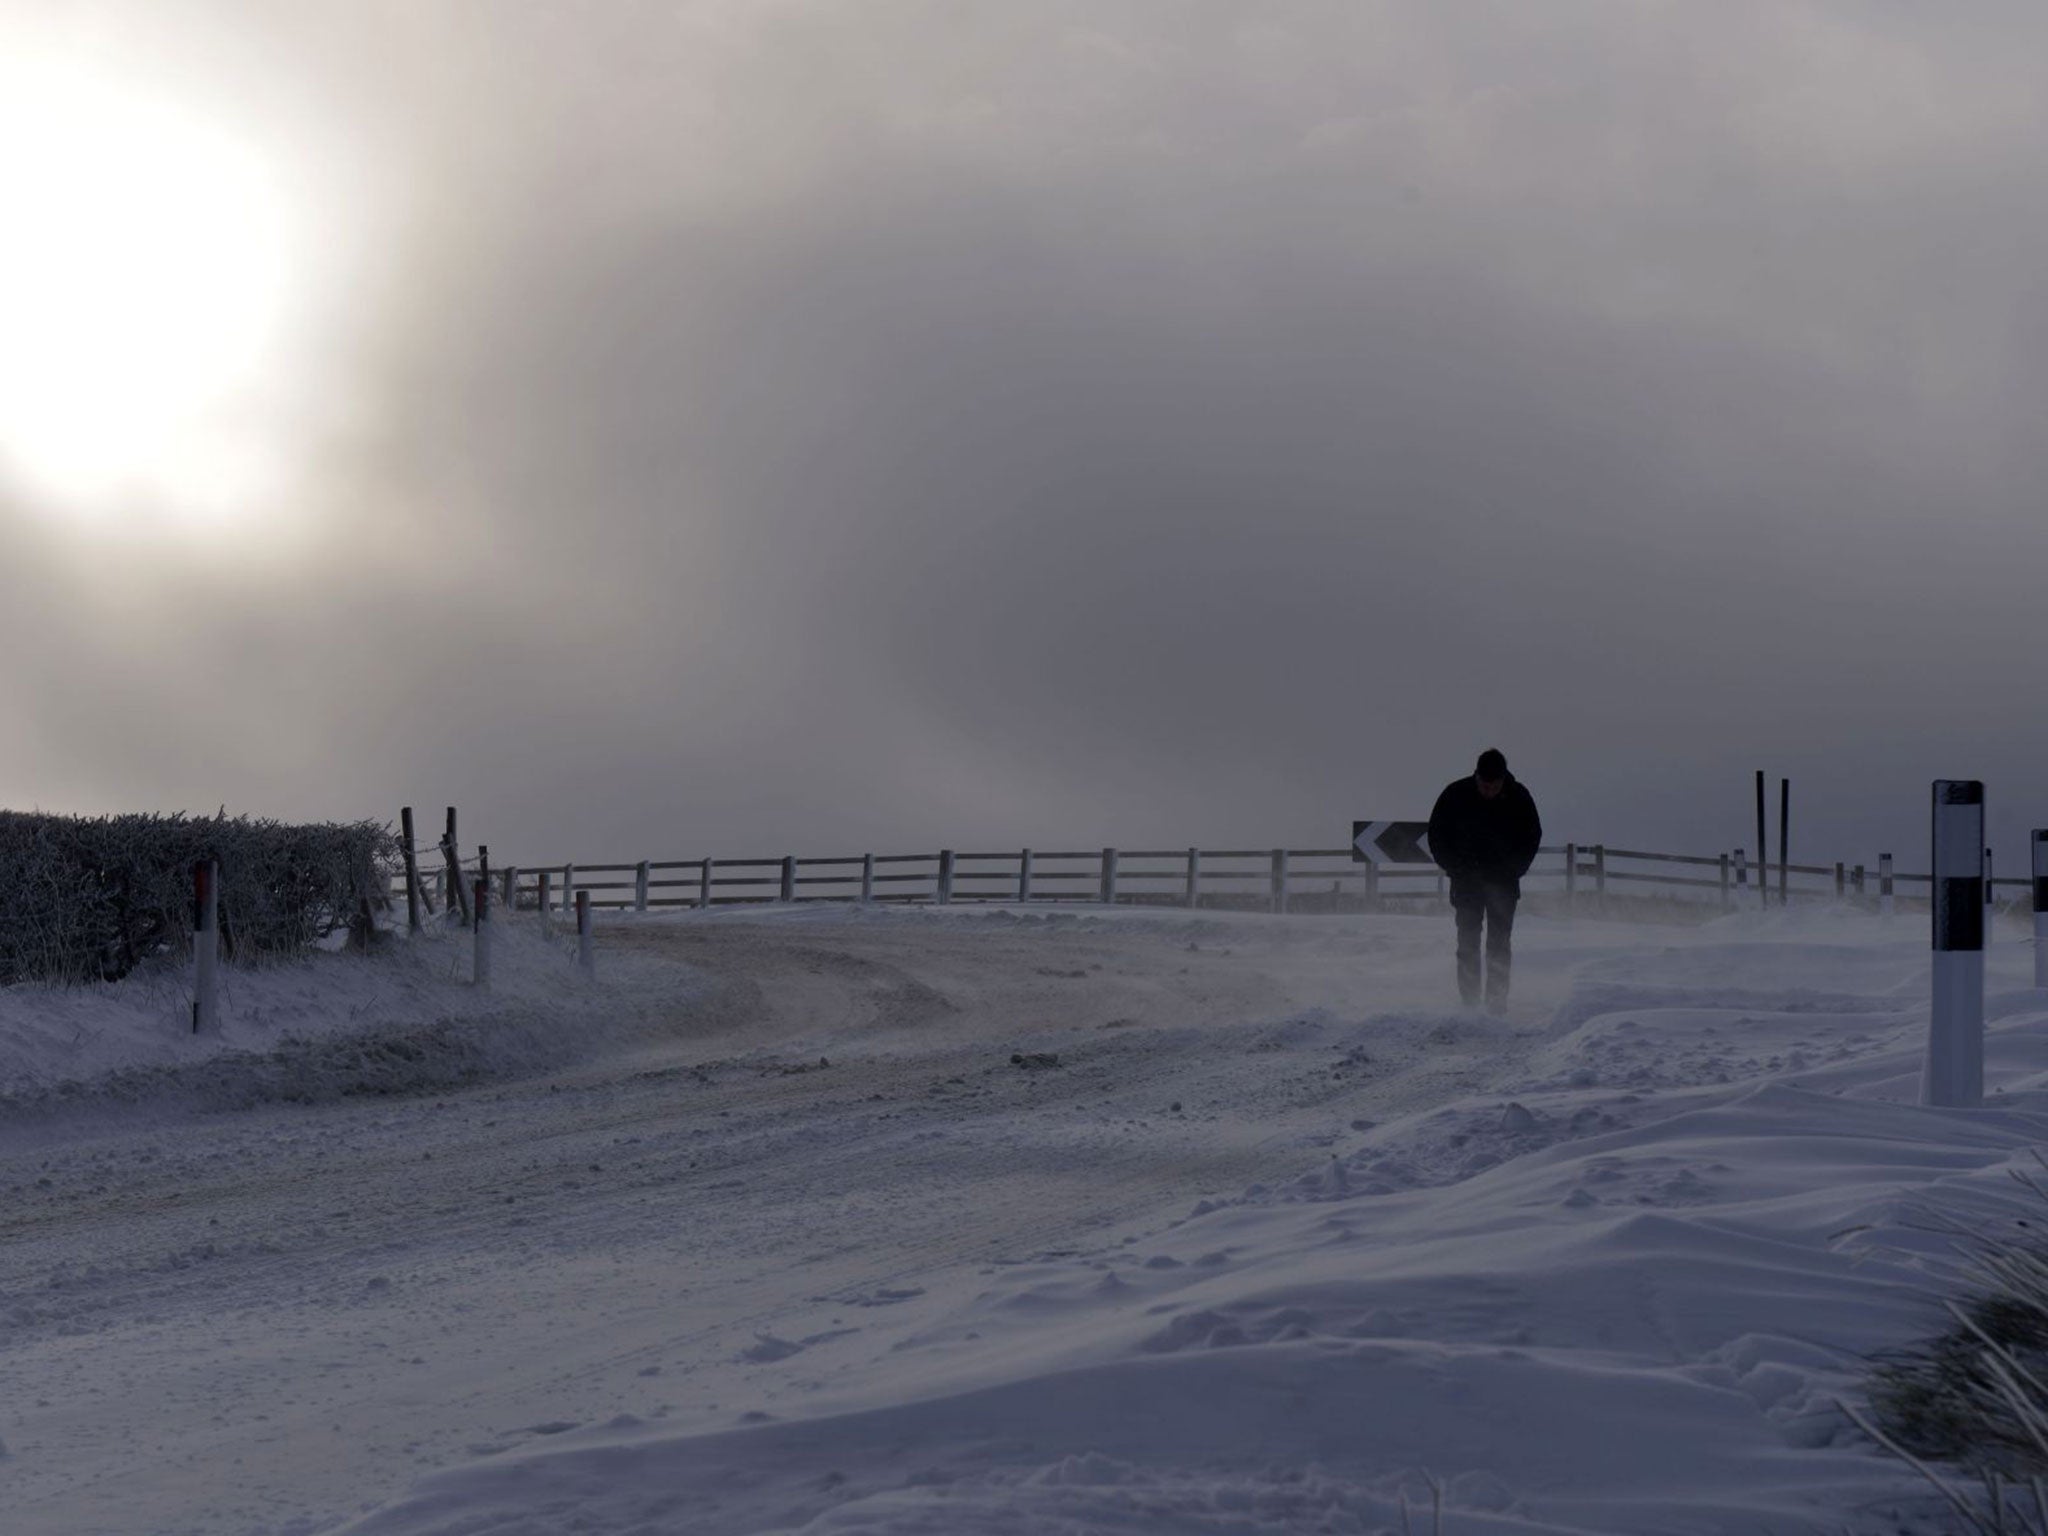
[(1480, 842)]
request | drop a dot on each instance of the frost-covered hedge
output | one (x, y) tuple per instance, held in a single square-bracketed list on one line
[(84, 897)]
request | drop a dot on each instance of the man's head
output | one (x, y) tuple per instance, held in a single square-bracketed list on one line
[(1492, 773)]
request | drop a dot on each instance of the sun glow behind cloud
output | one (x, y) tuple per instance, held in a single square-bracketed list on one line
[(147, 283)]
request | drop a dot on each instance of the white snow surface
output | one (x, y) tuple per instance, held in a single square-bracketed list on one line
[(767, 1231)]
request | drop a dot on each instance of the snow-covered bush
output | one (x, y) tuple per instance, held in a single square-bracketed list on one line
[(1977, 1394), (85, 897)]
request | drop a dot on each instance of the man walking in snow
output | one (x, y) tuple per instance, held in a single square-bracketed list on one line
[(1483, 834)]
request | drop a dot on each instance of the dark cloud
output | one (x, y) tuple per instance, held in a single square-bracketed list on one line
[(814, 426)]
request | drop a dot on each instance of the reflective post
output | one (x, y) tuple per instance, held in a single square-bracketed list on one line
[(1954, 1076), (205, 946), (2041, 906)]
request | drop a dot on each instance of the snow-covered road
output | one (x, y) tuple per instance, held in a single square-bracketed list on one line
[(785, 1173)]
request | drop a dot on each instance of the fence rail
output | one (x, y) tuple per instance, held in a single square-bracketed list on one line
[(1577, 876)]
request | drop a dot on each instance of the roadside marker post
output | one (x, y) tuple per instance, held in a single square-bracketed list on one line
[(1990, 902), (2041, 906), (205, 946), (1954, 1076)]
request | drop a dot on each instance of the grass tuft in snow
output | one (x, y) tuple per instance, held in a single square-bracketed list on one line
[(1976, 1395)]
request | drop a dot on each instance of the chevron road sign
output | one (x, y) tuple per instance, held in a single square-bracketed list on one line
[(1390, 842)]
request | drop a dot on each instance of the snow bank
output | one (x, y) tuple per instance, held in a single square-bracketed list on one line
[(402, 1020), (1620, 1298)]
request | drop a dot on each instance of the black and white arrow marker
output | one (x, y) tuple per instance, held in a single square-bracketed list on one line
[(1390, 842)]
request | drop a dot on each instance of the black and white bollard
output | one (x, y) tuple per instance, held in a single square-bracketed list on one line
[(1990, 902), (482, 974), (205, 946), (1886, 906), (586, 949), (1954, 1076), (2041, 906)]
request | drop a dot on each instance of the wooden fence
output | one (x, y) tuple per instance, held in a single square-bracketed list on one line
[(1574, 877)]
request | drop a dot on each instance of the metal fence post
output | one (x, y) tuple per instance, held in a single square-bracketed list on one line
[(1954, 1074), (205, 946), (640, 887), (586, 947), (1109, 877)]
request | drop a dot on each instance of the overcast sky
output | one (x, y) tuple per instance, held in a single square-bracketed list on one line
[(785, 426)]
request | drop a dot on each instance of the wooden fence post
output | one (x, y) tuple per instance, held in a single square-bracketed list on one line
[(1841, 880), (511, 880), (1109, 877), (1571, 878), (412, 871), (1727, 893), (867, 878), (704, 886), (569, 892), (451, 851), (1741, 870), (788, 877), (1886, 904), (1763, 847), (1784, 842), (1280, 880), (1856, 883), (205, 946), (1194, 877), (586, 947), (945, 876), (1600, 878), (640, 887), (1024, 876), (545, 901), (482, 973)]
